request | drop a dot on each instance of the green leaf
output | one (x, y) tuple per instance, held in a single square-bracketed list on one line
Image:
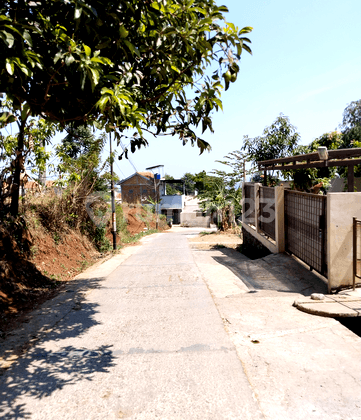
[(239, 48), (25, 111), (26, 70), (205, 21), (106, 90), (123, 32), (95, 76), (175, 69), (9, 39), (199, 10), (87, 50), (245, 30), (103, 44), (9, 66), (69, 59), (27, 38), (57, 57), (246, 47), (246, 39), (77, 12), (132, 48), (102, 102), (218, 102)]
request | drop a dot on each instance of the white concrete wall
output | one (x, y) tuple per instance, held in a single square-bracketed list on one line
[(341, 208), (192, 220), (191, 204)]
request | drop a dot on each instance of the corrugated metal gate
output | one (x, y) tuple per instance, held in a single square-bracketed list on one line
[(267, 211), (305, 228), (249, 204)]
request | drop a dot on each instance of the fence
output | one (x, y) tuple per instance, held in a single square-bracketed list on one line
[(267, 211), (249, 203), (317, 229), (263, 215), (305, 228)]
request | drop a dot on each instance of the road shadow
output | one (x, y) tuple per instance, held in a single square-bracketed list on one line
[(278, 272), (38, 371)]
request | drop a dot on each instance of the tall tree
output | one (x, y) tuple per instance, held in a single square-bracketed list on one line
[(37, 133), (277, 141), (122, 64), (173, 189), (189, 182), (351, 115), (351, 132), (351, 125), (78, 140), (221, 198)]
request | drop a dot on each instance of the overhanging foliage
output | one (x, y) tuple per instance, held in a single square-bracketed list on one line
[(123, 64)]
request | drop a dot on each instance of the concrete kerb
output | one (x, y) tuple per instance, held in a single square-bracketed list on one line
[(332, 306)]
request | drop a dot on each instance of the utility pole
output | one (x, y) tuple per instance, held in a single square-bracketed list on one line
[(114, 222), (42, 174), (156, 192)]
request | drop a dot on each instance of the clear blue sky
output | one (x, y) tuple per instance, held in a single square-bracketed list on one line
[(306, 64)]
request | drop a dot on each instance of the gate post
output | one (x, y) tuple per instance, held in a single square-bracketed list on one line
[(256, 206), (243, 201), (280, 218)]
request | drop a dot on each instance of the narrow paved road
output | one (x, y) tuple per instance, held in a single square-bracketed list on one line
[(146, 343)]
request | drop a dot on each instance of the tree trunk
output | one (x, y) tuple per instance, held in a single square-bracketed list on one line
[(19, 166)]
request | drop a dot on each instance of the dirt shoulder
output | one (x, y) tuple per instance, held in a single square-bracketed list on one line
[(38, 265), (209, 240)]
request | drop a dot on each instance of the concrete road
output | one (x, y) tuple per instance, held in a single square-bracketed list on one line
[(140, 340), (301, 366), (163, 331)]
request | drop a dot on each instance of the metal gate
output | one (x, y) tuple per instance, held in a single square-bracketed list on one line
[(267, 222), (305, 228), (249, 209)]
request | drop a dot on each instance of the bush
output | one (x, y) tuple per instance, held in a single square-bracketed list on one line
[(101, 242)]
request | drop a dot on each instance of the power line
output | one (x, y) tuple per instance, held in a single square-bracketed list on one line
[(116, 164), (123, 147)]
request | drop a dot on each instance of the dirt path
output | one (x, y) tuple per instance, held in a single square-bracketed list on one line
[(208, 240)]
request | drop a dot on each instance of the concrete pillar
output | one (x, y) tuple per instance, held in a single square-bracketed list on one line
[(242, 203), (280, 219), (341, 209), (256, 206)]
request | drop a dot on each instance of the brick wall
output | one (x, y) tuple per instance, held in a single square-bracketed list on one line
[(137, 189)]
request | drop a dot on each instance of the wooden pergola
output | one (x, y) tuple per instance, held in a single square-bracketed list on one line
[(340, 157)]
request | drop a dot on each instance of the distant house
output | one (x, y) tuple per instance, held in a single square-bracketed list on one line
[(137, 188), (34, 186), (179, 208)]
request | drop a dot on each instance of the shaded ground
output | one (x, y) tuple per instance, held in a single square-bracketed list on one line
[(301, 366), (37, 265), (141, 339)]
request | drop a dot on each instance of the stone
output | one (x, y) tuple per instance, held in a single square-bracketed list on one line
[(317, 296)]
